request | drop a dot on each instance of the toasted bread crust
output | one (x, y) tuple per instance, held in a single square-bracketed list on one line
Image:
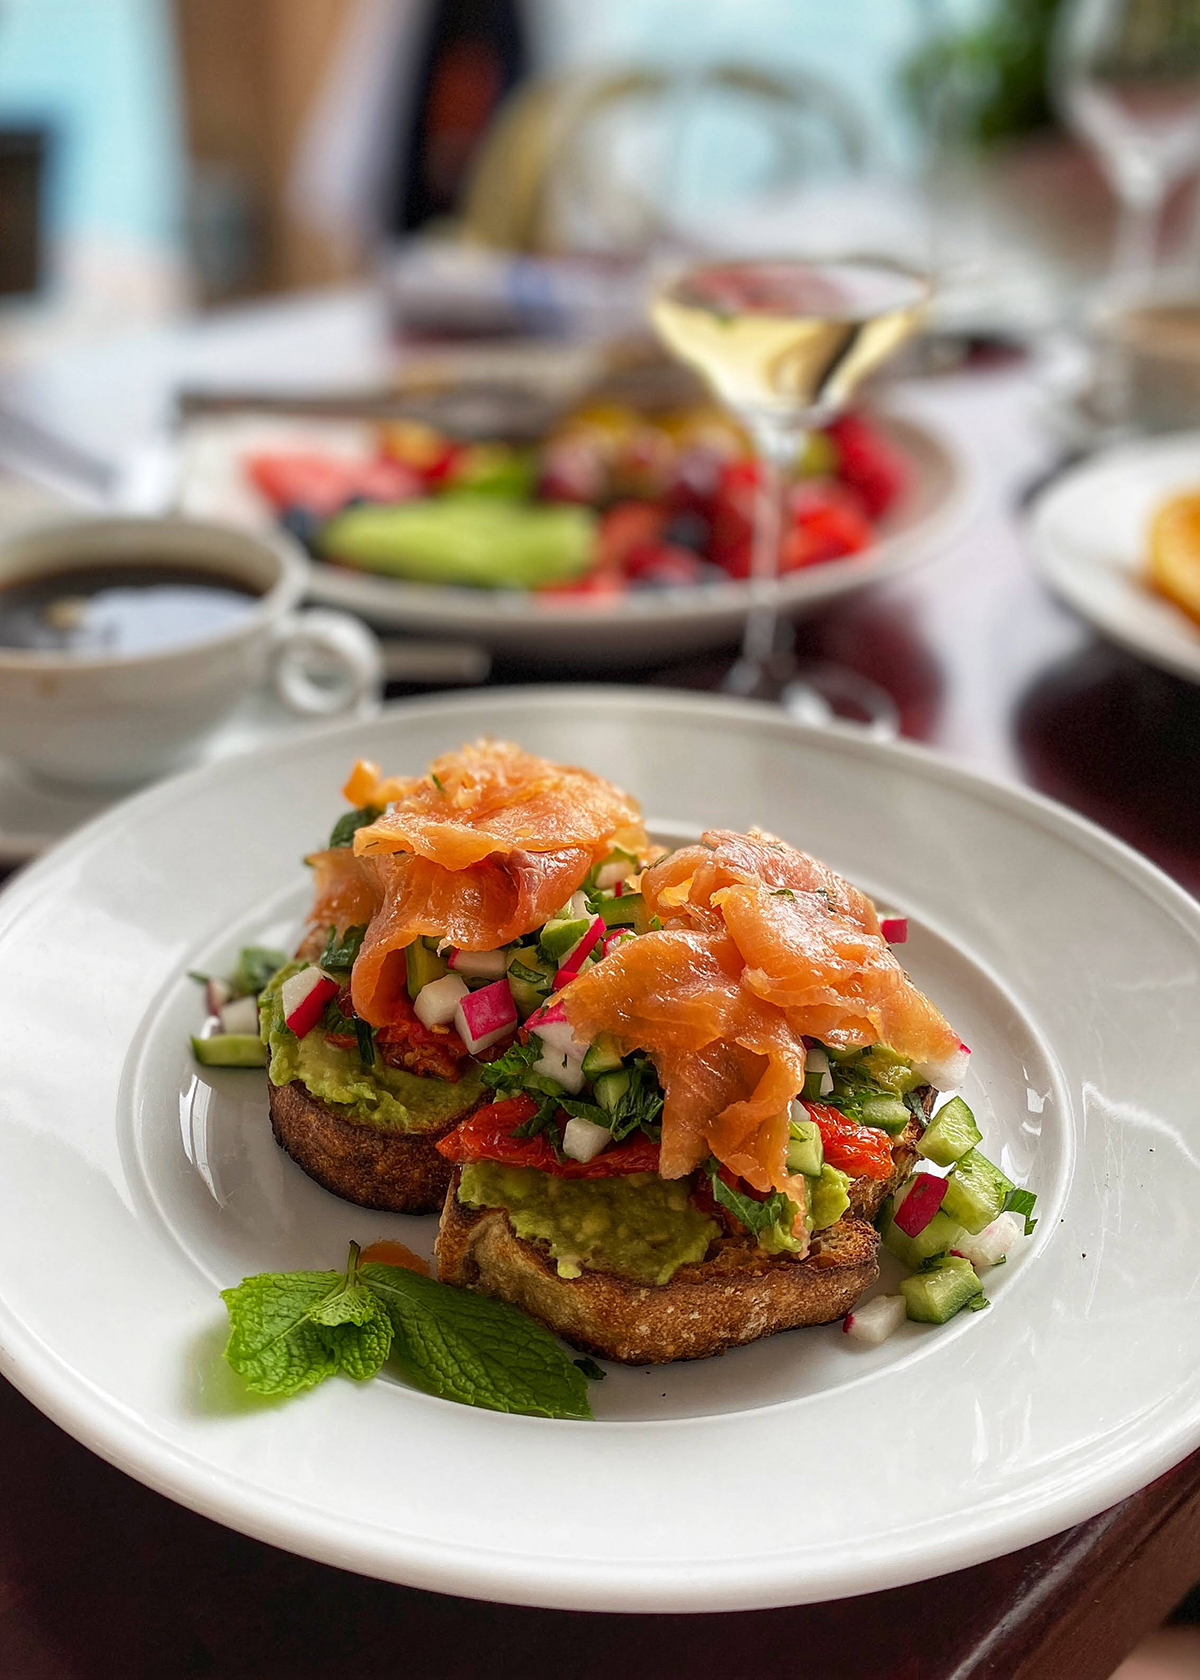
[(399, 1172), (737, 1295)]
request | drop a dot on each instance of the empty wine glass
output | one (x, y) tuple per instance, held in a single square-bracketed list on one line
[(784, 344), (1126, 74)]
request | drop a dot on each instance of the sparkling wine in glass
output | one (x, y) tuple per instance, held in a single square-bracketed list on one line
[(784, 344)]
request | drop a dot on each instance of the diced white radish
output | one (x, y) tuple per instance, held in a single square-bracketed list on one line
[(894, 929), (485, 1016), (479, 965), (816, 1061), (993, 1243), (304, 996), (947, 1074), (240, 1016), (555, 1032), (583, 1139), (877, 1320), (612, 874), (617, 937), (217, 994), (567, 1070), (575, 908), (435, 1003)]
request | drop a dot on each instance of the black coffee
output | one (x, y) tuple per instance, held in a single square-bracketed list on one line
[(119, 609)]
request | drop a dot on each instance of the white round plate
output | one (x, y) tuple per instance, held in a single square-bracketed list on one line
[(1090, 531), (801, 1468), (642, 625)]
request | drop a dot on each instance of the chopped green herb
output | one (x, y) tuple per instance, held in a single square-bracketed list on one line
[(782, 892), (341, 950), (1022, 1203), (772, 1218), (255, 966), (437, 782), (365, 1034), (590, 1369), (349, 823)]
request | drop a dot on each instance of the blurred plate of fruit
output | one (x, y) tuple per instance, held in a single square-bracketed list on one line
[(608, 530), (1118, 538)]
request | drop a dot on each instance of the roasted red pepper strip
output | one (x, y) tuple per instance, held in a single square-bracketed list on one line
[(861, 1151), (486, 1135)]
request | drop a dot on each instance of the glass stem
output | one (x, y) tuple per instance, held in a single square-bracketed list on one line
[(776, 447), (1136, 242)]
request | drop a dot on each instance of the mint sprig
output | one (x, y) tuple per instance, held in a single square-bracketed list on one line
[(291, 1330)]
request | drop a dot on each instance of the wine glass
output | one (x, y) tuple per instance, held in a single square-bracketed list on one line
[(1126, 74), (784, 344)]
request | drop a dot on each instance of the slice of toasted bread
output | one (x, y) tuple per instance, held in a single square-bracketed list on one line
[(737, 1294), (400, 1172)]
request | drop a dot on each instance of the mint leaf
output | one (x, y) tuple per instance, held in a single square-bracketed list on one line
[(756, 1216), (469, 1348), (506, 1075), (291, 1330), (349, 823)]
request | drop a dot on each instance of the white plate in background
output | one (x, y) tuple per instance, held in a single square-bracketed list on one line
[(1090, 531), (800, 1468)]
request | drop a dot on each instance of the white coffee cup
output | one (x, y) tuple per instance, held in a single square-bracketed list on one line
[(99, 719)]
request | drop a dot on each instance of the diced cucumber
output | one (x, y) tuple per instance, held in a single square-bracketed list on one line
[(806, 1152), (422, 966), (942, 1288), (828, 1197), (890, 1071), (889, 1114), (940, 1234), (625, 911), (609, 1088), (530, 978), (602, 1056), (844, 1053), (230, 1050), (950, 1135), (558, 936), (975, 1192)]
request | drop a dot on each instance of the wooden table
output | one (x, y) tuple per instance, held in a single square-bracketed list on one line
[(101, 1578)]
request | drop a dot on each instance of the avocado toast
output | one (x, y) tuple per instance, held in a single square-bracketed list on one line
[(696, 1129), (377, 1032)]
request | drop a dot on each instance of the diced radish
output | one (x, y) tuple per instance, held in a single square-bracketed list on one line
[(555, 1032), (435, 1003), (479, 965), (304, 996), (919, 1205), (877, 1320), (894, 929), (579, 952), (947, 1074), (567, 1070), (993, 1243), (485, 1016), (583, 1139), (816, 1061), (240, 1016), (611, 940), (217, 994), (612, 875)]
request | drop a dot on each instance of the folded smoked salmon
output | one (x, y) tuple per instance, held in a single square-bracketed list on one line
[(722, 1076), (399, 994)]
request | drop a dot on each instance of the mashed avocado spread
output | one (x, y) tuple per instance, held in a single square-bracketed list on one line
[(639, 1226), (371, 1096)]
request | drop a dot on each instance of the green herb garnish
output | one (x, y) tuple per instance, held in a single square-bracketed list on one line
[(774, 1216), (349, 823), (1022, 1203), (341, 950), (291, 1330), (437, 782), (255, 966)]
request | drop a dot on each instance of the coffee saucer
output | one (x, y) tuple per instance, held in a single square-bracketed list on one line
[(34, 815)]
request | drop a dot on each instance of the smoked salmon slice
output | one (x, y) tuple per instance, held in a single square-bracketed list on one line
[(492, 797), (481, 850)]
